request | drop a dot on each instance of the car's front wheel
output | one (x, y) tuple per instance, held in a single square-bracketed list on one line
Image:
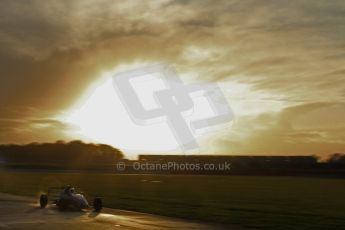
[(43, 200)]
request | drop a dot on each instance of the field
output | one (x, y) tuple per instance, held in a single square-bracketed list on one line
[(258, 202)]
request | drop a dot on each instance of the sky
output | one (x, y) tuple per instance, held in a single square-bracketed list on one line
[(280, 64)]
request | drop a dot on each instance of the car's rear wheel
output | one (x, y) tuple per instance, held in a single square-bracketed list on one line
[(97, 204), (43, 200)]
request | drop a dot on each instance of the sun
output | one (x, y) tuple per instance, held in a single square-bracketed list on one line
[(101, 116)]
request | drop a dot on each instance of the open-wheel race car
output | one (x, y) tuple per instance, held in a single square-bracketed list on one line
[(65, 198)]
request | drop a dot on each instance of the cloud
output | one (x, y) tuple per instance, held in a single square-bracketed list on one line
[(24, 131), (302, 129)]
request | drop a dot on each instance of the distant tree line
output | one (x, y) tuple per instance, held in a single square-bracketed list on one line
[(336, 159), (77, 155), (74, 155)]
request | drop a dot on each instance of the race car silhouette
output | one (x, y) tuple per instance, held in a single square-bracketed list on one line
[(68, 199)]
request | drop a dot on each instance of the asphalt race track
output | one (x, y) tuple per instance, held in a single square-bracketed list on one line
[(24, 213)]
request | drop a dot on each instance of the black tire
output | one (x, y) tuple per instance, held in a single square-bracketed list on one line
[(43, 200), (97, 204)]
